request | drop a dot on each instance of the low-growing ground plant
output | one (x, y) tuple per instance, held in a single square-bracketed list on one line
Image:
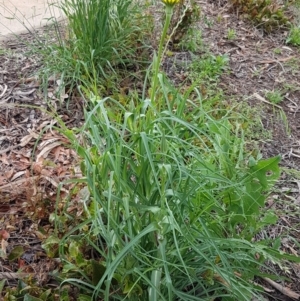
[(208, 67), (274, 96), (174, 203), (294, 36), (172, 199), (268, 14), (231, 34)]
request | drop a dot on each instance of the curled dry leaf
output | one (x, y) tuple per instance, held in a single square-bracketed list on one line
[(4, 234)]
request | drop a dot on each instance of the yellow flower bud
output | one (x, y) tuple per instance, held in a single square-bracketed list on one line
[(170, 2)]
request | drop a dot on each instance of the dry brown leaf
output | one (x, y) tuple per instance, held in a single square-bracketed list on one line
[(4, 208), (54, 183), (4, 234), (17, 175), (26, 139), (4, 245), (45, 152), (8, 174)]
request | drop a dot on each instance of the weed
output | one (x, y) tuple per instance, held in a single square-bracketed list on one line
[(173, 199), (274, 96), (277, 51), (231, 34), (191, 41), (208, 22), (294, 36), (168, 198), (208, 67), (266, 13)]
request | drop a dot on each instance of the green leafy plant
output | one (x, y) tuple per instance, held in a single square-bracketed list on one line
[(231, 34), (266, 13), (274, 96), (191, 41), (173, 200), (208, 67), (174, 204), (294, 36)]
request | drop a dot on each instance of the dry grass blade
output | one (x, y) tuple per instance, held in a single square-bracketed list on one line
[(11, 276)]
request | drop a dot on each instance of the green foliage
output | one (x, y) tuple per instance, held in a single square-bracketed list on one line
[(191, 41), (266, 13), (101, 36), (294, 36), (231, 34), (274, 96), (30, 291), (174, 203), (207, 68)]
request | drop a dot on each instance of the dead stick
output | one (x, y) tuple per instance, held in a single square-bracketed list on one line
[(284, 59), (284, 290), (256, 95), (6, 275)]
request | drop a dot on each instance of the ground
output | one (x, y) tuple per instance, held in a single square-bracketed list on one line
[(35, 158)]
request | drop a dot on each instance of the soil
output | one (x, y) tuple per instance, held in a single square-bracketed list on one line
[(35, 158)]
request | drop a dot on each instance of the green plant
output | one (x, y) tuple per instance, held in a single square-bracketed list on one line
[(274, 96), (277, 51), (173, 200), (231, 34), (191, 41), (174, 203), (102, 36), (266, 13), (294, 36), (208, 68)]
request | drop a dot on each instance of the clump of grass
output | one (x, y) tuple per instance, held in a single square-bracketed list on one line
[(173, 199), (102, 36), (173, 204), (231, 34)]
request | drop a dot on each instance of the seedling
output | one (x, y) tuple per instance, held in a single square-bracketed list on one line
[(274, 96), (231, 34), (277, 51)]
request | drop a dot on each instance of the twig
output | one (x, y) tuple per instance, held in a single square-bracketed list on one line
[(284, 59), (284, 290), (3, 91), (256, 95), (3, 151), (7, 275)]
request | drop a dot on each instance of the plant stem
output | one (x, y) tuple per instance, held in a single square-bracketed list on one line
[(157, 59)]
